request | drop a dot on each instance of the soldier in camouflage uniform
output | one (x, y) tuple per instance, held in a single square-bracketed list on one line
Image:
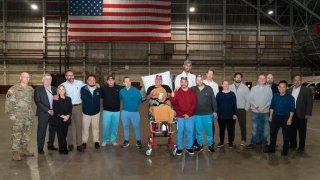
[(18, 106)]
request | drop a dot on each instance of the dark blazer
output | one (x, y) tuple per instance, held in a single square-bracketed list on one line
[(61, 107), (42, 101), (304, 102)]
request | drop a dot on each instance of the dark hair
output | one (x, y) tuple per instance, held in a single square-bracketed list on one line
[(262, 74), (237, 73), (211, 69), (283, 82), (91, 75), (126, 77)]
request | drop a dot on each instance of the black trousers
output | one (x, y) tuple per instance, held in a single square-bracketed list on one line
[(62, 132), (242, 116), (229, 124), (298, 125), (43, 122), (277, 123)]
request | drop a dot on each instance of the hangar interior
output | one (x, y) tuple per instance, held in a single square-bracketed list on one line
[(281, 37)]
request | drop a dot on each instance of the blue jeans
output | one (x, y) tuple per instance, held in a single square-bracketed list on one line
[(185, 126), (260, 127), (134, 118), (110, 120), (204, 122)]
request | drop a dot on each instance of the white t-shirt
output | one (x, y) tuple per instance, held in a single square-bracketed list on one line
[(213, 85), (191, 79)]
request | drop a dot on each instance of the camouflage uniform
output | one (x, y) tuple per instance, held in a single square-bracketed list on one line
[(19, 103)]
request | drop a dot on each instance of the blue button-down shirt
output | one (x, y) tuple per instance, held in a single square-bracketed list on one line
[(73, 90), (282, 105)]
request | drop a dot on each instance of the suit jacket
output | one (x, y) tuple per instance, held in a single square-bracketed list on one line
[(304, 102), (42, 101), (61, 107)]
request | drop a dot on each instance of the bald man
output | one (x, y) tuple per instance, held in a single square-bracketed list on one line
[(18, 107)]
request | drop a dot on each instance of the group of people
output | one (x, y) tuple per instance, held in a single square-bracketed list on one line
[(74, 106)]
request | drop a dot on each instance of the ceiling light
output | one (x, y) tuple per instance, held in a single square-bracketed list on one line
[(34, 6), (192, 9), (270, 12)]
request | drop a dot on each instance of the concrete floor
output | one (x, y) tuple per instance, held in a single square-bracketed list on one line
[(117, 163)]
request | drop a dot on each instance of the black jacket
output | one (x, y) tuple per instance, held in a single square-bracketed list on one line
[(304, 102), (61, 107), (42, 101)]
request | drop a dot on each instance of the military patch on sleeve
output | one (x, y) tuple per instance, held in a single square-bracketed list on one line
[(9, 93)]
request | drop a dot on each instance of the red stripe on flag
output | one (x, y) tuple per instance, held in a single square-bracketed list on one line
[(135, 14), (120, 30), (119, 22), (135, 6), (119, 38)]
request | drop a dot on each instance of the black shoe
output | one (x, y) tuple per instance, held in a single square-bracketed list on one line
[(195, 143), (190, 151), (250, 146), (125, 144), (65, 151), (84, 145), (292, 147), (220, 145), (139, 145), (61, 150), (80, 148), (231, 145), (211, 148), (97, 145), (300, 150), (199, 149), (52, 148), (179, 152), (70, 147), (270, 150), (284, 153), (40, 151)]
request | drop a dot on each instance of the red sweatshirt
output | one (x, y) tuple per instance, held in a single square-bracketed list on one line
[(184, 102)]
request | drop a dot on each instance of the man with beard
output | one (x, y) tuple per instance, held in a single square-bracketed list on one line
[(242, 95), (187, 65), (184, 101), (73, 88), (271, 84), (90, 96), (205, 113), (111, 111)]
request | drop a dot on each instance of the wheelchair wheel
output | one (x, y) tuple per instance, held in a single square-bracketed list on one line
[(148, 152), (174, 151)]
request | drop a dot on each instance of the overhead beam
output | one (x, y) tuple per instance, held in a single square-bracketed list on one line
[(307, 9)]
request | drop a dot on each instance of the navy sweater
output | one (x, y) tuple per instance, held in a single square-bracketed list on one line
[(227, 105), (90, 102)]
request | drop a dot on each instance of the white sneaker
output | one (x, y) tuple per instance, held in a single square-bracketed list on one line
[(114, 144), (243, 143), (104, 144)]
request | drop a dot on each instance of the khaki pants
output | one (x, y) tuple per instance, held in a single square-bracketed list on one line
[(76, 124), (94, 121)]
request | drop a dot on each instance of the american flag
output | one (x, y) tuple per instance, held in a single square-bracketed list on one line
[(145, 20)]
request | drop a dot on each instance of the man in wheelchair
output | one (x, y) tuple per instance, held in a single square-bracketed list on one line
[(160, 109)]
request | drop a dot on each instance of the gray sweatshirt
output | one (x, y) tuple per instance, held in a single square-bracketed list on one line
[(206, 101), (242, 95), (260, 96)]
